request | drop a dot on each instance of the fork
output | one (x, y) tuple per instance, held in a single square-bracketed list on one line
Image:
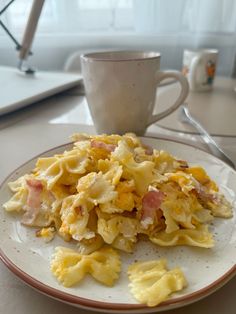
[(186, 117)]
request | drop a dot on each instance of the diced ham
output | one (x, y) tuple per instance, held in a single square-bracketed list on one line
[(202, 193), (34, 183), (151, 203), (183, 164), (35, 189), (78, 210), (159, 214), (102, 145), (148, 149), (205, 196), (33, 203)]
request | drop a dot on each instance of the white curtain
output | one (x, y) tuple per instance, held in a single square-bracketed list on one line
[(150, 16), (194, 16), (165, 25)]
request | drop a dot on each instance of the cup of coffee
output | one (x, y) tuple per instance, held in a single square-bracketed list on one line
[(199, 67), (121, 89)]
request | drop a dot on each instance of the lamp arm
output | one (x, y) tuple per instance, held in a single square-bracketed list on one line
[(30, 32)]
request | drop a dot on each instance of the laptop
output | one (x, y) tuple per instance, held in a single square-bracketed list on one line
[(18, 89)]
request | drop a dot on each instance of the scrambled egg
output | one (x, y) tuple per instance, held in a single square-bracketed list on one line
[(46, 233)]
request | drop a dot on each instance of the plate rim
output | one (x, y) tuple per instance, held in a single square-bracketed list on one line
[(101, 305)]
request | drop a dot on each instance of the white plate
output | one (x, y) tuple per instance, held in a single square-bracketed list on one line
[(206, 269)]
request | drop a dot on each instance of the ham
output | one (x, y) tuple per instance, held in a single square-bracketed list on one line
[(202, 193), (102, 145), (78, 210), (183, 164), (35, 189), (205, 196), (151, 203), (148, 149), (33, 203)]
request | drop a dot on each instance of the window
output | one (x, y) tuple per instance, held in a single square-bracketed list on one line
[(131, 24), (74, 15), (153, 16)]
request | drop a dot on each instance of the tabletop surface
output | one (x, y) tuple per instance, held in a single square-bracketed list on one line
[(32, 130), (216, 109)]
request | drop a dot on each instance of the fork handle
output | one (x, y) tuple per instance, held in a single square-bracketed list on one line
[(213, 146)]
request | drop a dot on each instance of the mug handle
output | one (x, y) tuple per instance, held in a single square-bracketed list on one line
[(192, 72), (161, 75)]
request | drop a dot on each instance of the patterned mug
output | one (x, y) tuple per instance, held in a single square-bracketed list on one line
[(199, 67)]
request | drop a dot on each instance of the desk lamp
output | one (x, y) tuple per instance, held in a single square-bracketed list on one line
[(24, 86)]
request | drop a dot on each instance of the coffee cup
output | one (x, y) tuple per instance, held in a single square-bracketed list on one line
[(199, 66), (121, 89)]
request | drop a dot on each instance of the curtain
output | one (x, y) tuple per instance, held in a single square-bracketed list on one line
[(165, 25), (151, 16), (193, 16)]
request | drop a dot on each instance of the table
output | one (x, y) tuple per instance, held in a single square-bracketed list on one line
[(28, 132), (208, 107)]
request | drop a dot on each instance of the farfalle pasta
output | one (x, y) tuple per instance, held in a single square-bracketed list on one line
[(109, 190), (70, 267), (152, 283), (200, 237)]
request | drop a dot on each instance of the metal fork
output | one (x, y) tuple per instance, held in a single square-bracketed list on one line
[(186, 117)]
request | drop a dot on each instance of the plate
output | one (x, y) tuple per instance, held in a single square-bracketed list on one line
[(206, 270)]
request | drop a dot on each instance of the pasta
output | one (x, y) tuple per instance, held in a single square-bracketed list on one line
[(70, 267), (105, 193), (152, 283), (200, 237)]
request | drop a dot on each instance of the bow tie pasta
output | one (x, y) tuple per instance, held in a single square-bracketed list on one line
[(152, 283), (70, 267), (112, 190)]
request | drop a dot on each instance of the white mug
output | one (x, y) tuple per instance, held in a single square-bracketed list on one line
[(121, 89), (199, 67)]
